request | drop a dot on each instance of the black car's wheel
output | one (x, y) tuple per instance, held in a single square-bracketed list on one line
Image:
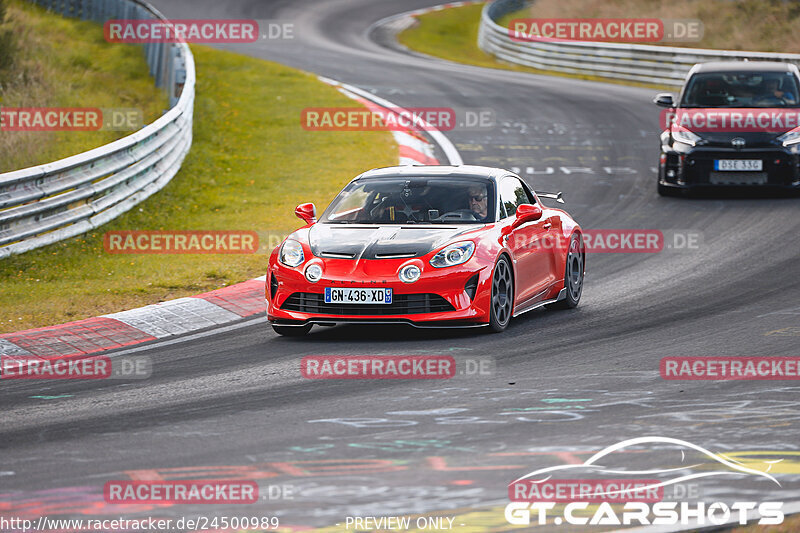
[(573, 275), (502, 295), (292, 331)]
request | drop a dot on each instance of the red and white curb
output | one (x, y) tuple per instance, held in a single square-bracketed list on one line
[(128, 328), (190, 314), (414, 147)]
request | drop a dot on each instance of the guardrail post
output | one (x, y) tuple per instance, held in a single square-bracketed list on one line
[(178, 69), (169, 73)]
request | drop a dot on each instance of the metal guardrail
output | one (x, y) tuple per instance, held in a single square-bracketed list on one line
[(48, 203), (660, 65)]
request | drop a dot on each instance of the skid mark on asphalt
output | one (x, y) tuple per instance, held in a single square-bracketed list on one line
[(792, 331)]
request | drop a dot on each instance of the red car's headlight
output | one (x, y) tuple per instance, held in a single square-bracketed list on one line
[(453, 255), (291, 253)]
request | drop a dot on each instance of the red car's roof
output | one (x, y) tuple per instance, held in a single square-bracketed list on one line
[(434, 171)]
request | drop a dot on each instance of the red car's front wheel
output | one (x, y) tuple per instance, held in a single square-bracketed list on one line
[(502, 295)]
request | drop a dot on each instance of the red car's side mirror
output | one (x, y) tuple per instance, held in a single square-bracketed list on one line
[(527, 213), (308, 212)]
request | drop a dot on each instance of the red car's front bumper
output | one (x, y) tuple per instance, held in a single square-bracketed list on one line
[(440, 297)]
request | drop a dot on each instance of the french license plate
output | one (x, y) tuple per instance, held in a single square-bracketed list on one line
[(738, 164), (336, 295)]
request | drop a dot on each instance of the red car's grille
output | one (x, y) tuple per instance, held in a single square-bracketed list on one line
[(402, 304)]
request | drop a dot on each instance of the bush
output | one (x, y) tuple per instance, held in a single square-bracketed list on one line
[(6, 41)]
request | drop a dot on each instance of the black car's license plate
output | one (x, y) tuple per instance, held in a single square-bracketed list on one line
[(734, 165)]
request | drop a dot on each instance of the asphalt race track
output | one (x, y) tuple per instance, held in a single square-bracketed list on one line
[(232, 403)]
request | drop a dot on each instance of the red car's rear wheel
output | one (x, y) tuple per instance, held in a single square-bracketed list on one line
[(573, 275)]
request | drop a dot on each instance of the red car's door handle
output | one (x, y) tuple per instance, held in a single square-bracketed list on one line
[(547, 225)]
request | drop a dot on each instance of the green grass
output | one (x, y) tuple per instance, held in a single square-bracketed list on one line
[(761, 25), (251, 163), (790, 524), (61, 62), (452, 34)]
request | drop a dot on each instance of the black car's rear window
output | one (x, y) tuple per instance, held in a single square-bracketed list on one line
[(741, 89)]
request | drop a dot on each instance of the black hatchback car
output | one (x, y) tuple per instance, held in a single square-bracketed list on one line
[(735, 124)]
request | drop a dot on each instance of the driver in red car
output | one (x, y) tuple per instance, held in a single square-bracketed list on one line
[(478, 198)]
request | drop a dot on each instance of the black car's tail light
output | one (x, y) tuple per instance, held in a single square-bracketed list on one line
[(471, 287), (273, 286)]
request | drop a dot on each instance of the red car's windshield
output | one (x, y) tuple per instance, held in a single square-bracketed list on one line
[(413, 200)]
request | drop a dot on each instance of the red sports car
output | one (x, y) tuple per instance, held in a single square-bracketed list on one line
[(452, 246)]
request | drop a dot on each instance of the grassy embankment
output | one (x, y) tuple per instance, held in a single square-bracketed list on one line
[(762, 25), (251, 163)]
